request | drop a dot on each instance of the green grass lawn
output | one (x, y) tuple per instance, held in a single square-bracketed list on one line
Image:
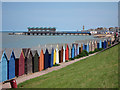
[(98, 71)]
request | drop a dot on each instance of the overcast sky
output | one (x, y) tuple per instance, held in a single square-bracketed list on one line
[(62, 15)]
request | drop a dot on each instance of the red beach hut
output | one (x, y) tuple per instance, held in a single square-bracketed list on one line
[(19, 62), (67, 53)]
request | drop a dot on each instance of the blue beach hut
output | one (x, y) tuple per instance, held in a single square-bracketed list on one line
[(83, 46), (87, 47), (11, 63), (78, 49), (46, 59), (3, 66), (73, 51), (100, 44), (104, 44), (52, 57)]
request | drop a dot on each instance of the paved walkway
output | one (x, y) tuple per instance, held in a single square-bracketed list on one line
[(37, 74)]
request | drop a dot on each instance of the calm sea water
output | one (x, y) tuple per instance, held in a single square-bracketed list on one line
[(22, 41)]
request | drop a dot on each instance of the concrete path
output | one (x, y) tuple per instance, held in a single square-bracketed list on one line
[(37, 74)]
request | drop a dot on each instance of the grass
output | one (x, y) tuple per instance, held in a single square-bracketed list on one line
[(98, 71)]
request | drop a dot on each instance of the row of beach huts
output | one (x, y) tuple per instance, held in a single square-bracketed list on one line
[(16, 62)]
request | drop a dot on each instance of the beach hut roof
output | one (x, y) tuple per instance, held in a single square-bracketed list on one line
[(50, 50), (26, 51), (1, 53), (8, 52), (29, 53), (34, 52), (17, 52)]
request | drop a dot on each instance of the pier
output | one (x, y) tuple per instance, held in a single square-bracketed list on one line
[(49, 31)]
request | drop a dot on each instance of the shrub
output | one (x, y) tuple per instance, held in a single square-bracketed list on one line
[(56, 65), (83, 53), (71, 58), (96, 50), (100, 49), (109, 45), (66, 60), (91, 52)]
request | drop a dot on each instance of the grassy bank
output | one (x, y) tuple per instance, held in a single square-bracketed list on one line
[(99, 71)]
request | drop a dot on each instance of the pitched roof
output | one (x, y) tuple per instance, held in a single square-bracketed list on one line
[(17, 52), (8, 52), (26, 51), (1, 53), (29, 54), (34, 52)]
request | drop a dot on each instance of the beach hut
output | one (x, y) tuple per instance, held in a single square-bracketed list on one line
[(52, 57), (49, 60), (77, 49), (57, 55), (11, 63), (67, 53), (81, 47), (61, 55), (73, 51), (41, 61), (19, 62), (93, 47), (64, 53), (70, 51), (54, 62), (29, 63), (87, 46), (107, 43), (95, 44), (98, 45), (35, 60), (25, 53), (46, 59), (104, 44), (3, 66), (90, 46)]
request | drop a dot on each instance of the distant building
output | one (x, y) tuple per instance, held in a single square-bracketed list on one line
[(93, 32)]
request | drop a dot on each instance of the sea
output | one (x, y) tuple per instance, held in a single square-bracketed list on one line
[(27, 41)]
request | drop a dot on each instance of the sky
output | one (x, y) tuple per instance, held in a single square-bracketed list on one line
[(18, 16)]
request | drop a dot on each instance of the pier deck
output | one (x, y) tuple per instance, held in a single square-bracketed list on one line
[(56, 33)]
